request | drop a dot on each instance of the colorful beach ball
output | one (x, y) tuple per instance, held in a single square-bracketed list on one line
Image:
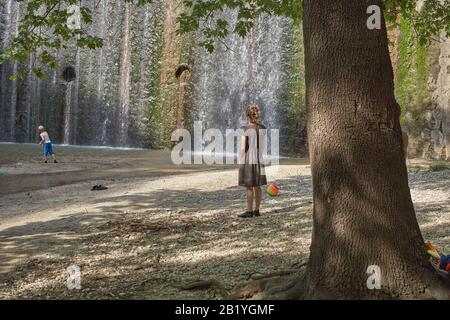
[(273, 189)]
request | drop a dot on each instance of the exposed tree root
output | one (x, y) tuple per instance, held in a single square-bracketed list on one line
[(254, 289), (203, 284), (256, 276), (250, 290), (282, 286), (438, 287), (293, 284)]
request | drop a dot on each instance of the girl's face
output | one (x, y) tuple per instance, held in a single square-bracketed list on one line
[(254, 115)]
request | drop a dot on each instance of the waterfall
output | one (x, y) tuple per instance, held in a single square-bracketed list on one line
[(4, 123), (126, 93), (75, 104), (30, 93), (105, 126), (250, 85), (98, 114), (104, 104), (35, 116), (68, 113), (242, 71), (125, 73), (13, 102), (108, 100), (115, 97), (183, 74)]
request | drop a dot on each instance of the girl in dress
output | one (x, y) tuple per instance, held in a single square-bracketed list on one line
[(251, 168)]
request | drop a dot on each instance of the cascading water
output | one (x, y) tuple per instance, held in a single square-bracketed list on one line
[(30, 92), (13, 104), (242, 71), (68, 112), (8, 99), (126, 93), (124, 82), (106, 103), (105, 125), (74, 109), (103, 104)]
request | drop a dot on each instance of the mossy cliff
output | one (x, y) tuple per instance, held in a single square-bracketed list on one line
[(127, 94), (422, 89)]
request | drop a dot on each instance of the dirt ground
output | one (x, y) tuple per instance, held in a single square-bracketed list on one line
[(148, 237), (22, 167)]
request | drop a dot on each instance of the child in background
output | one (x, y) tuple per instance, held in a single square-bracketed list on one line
[(251, 169), (45, 140)]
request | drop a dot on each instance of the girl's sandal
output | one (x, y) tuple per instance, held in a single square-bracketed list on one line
[(246, 214)]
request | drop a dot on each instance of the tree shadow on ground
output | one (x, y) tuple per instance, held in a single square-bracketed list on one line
[(377, 231), (144, 245), (149, 244)]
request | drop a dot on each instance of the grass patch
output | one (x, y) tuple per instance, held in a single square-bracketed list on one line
[(415, 168), (436, 167)]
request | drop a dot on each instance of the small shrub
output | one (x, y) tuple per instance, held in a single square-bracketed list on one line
[(439, 167)]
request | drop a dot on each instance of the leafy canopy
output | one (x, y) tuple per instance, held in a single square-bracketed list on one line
[(43, 29)]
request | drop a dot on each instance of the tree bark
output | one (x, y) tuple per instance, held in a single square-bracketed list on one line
[(363, 212)]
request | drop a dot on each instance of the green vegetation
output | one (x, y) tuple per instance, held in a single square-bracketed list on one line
[(44, 25), (154, 113), (440, 166), (411, 83), (296, 113)]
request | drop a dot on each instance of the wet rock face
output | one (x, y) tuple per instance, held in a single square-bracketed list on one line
[(127, 94), (442, 96), (422, 87), (95, 97), (255, 70), (426, 134), (429, 127)]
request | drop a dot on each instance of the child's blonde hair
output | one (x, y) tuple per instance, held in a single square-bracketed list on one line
[(41, 128), (252, 112)]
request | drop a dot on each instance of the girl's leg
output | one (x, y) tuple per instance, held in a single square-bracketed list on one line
[(249, 199), (257, 197)]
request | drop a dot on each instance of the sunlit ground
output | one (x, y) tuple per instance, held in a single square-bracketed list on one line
[(145, 236)]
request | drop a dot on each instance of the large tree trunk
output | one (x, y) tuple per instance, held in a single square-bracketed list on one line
[(363, 213)]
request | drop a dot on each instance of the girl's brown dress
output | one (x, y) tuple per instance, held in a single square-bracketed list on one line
[(251, 166)]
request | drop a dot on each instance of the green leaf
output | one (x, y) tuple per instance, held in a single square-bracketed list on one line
[(39, 72)]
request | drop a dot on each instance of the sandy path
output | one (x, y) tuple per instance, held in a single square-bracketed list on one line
[(143, 236), (22, 167)]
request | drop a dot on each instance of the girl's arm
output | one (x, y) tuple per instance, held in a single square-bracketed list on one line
[(241, 155), (243, 144)]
